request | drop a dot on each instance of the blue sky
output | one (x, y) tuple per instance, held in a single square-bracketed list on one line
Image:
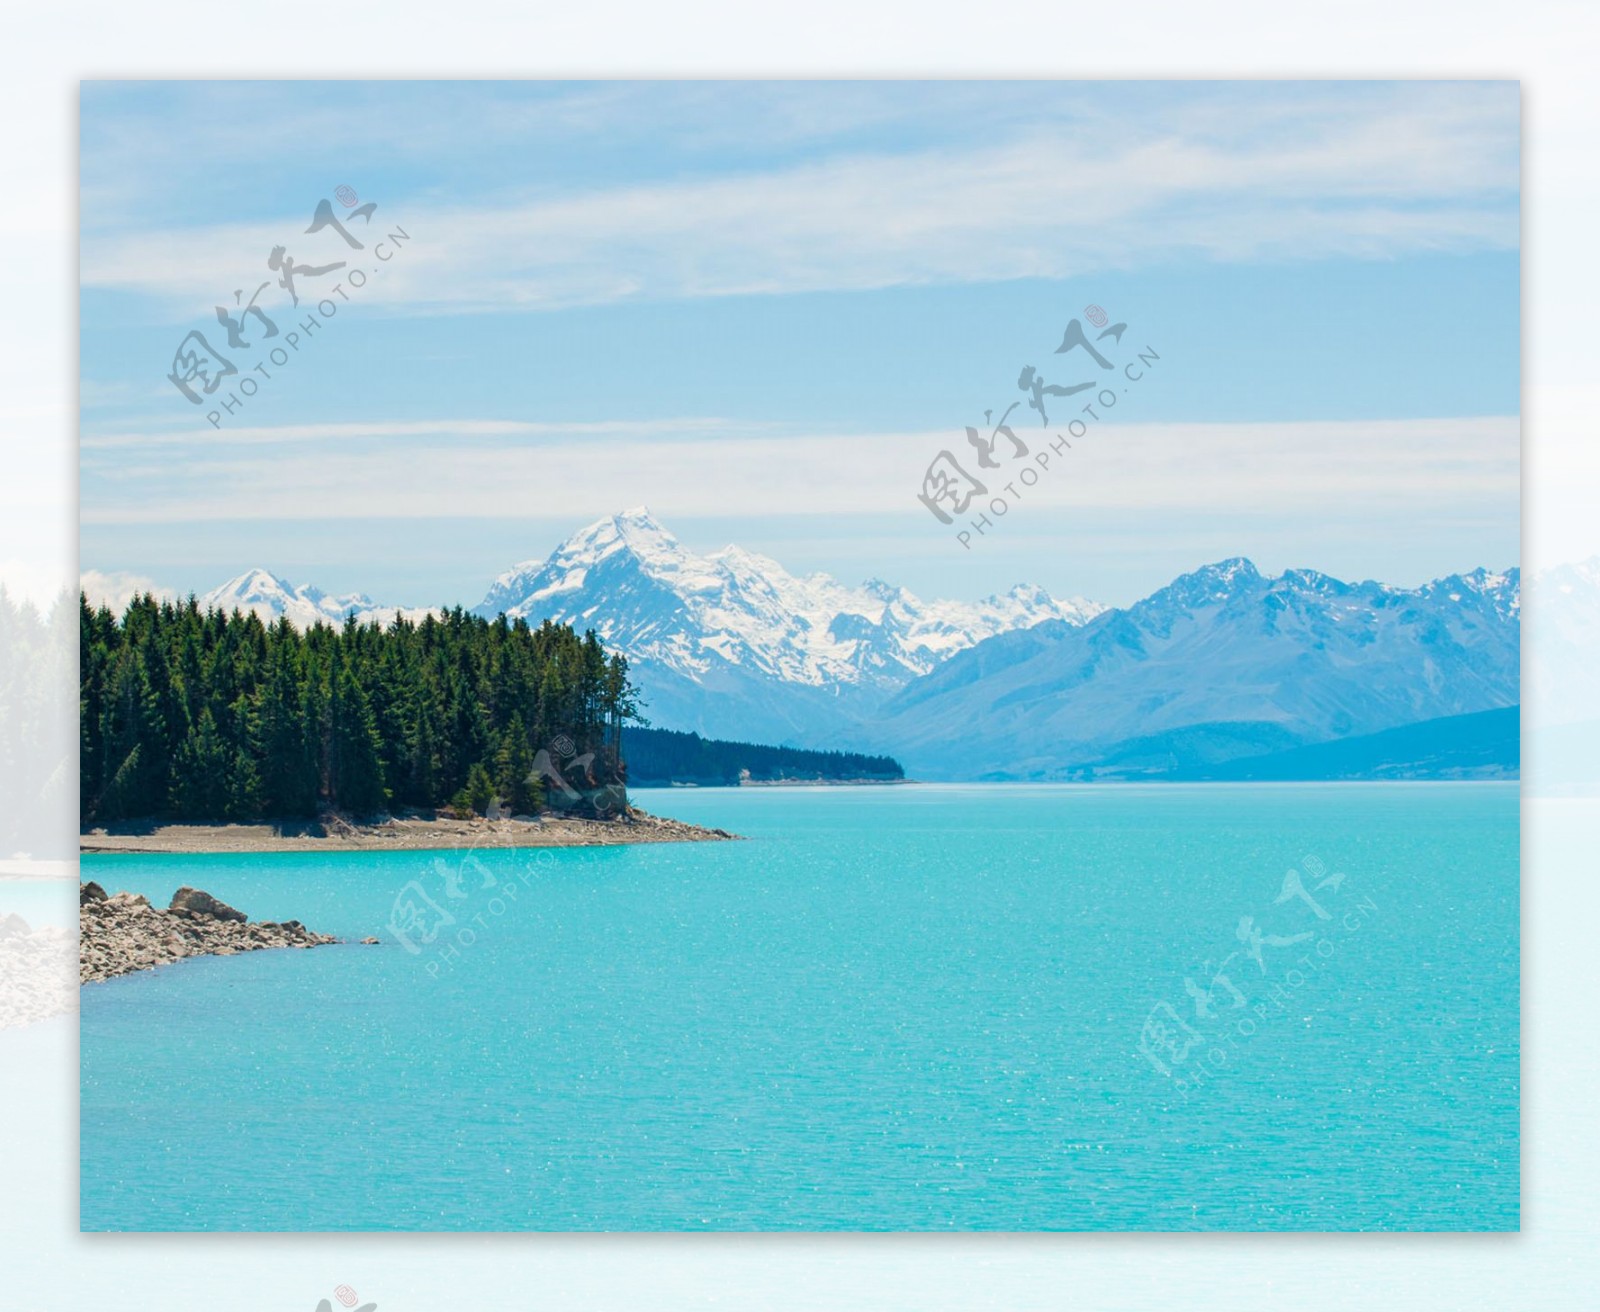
[(762, 309)]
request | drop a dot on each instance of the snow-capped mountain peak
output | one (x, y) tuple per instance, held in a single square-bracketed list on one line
[(634, 534), (272, 598), (1223, 660), (661, 604), (252, 585)]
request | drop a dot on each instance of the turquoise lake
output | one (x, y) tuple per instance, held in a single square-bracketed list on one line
[(915, 1008)]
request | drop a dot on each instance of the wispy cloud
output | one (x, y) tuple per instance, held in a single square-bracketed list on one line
[(402, 431), (1228, 175), (1388, 472), (116, 589)]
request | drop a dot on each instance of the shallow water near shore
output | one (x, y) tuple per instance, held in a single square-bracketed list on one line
[(942, 1007)]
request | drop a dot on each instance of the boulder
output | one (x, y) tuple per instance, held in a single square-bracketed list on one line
[(124, 933), (130, 901), (13, 926), (199, 903), (90, 892)]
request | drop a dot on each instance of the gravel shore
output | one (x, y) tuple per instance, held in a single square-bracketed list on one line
[(405, 833), (35, 972), (124, 933)]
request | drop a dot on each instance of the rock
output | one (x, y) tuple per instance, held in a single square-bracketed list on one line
[(36, 976), (14, 926), (367, 942), (90, 892), (198, 903), (125, 933), (127, 901)]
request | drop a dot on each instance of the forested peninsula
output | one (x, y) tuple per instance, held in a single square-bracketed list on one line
[(191, 715)]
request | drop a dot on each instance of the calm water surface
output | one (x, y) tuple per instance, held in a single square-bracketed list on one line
[(909, 1008)]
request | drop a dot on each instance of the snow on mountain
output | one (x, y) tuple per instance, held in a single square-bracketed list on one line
[(271, 598), (729, 643), (1564, 646), (1222, 662), (733, 610)]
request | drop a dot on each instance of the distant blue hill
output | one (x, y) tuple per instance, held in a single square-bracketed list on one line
[(659, 757), (1222, 665), (1483, 745)]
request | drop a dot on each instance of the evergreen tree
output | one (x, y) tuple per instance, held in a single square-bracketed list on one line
[(134, 742), (356, 773), (513, 776), (479, 790), (244, 787), (204, 715), (201, 789), (288, 773), (422, 755)]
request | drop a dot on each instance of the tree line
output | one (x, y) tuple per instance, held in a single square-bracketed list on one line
[(187, 714), (660, 756), (39, 742)]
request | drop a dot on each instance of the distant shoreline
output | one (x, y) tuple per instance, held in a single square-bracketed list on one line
[(778, 783), (396, 834)]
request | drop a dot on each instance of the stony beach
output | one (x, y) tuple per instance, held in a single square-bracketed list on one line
[(35, 972), (398, 833), (122, 933)]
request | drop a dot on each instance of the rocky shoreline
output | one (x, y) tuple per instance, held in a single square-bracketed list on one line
[(335, 833), (35, 972), (122, 933)]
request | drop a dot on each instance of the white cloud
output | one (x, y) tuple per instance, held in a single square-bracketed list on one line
[(1374, 175), (1389, 470), (115, 590), (35, 581), (200, 435)]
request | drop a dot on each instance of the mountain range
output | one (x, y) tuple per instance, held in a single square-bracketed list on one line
[(732, 645), (271, 598), (1223, 664)]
